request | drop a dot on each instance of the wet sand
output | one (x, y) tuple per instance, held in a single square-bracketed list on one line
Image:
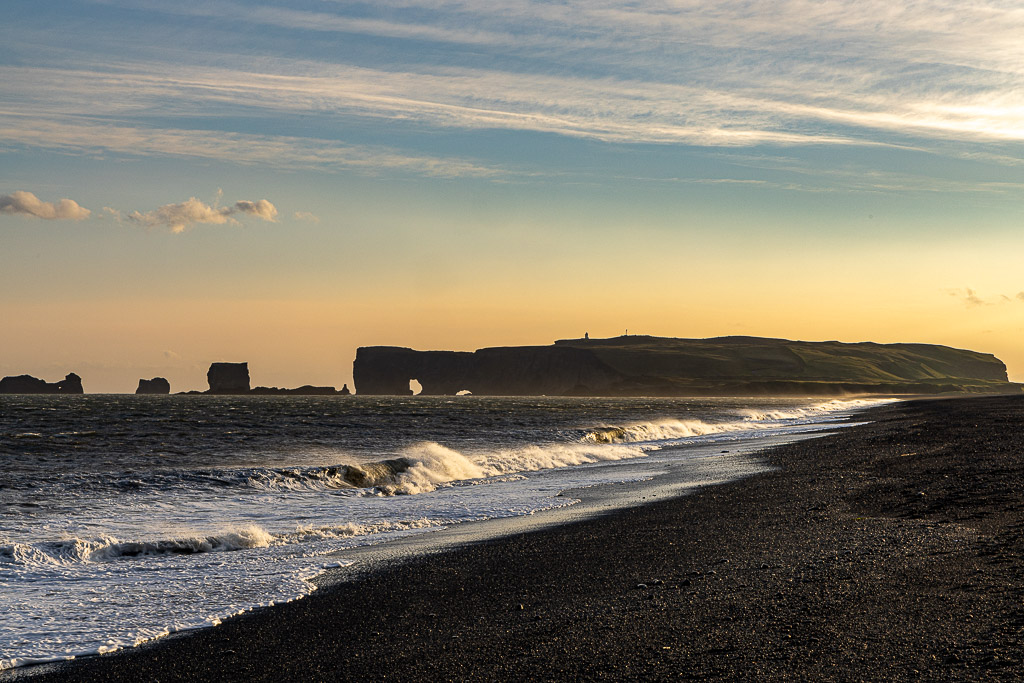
[(889, 551)]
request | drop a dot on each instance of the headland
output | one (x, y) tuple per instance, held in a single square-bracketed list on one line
[(659, 366)]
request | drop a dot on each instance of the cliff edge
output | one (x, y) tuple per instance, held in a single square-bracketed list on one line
[(659, 366)]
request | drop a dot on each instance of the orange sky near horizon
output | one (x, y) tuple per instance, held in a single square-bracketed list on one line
[(290, 343)]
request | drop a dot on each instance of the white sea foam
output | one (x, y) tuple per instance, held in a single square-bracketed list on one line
[(533, 458), (353, 529), (73, 551), (750, 420), (812, 411)]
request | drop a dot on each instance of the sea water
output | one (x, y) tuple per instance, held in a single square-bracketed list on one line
[(125, 518)]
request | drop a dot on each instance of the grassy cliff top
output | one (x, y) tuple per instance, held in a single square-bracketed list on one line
[(758, 358)]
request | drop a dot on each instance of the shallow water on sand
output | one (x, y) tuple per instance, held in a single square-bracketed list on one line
[(123, 518)]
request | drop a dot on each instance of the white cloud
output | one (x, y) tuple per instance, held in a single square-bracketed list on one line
[(261, 209), (180, 217), (27, 204)]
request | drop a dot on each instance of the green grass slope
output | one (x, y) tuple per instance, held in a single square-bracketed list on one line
[(760, 365)]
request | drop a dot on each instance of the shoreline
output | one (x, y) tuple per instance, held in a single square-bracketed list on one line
[(831, 565), (710, 466)]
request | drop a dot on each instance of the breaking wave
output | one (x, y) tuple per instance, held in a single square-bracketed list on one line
[(814, 411), (76, 550), (749, 420), (423, 467), (107, 549), (660, 430)]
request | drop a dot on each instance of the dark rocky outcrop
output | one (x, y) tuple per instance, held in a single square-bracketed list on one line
[(228, 378), (344, 390), (233, 379), (654, 366), (26, 384), (304, 390), (157, 385), (530, 370)]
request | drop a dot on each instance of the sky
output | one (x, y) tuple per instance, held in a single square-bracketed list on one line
[(281, 182)]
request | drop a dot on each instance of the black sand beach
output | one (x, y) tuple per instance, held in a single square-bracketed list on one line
[(890, 551)]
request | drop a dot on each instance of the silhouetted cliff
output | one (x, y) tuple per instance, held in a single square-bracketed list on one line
[(654, 366), (157, 385), (27, 384), (228, 378)]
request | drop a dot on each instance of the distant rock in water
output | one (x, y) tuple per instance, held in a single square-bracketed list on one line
[(157, 385), (228, 378), (27, 384), (658, 366), (305, 390), (71, 384), (344, 390), (233, 379)]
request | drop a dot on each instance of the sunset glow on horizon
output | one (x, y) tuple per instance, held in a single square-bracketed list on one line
[(283, 181)]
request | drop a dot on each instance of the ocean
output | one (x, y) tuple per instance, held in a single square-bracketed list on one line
[(125, 518)]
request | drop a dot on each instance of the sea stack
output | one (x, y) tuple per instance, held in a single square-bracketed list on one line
[(71, 384), (157, 385), (27, 384), (344, 390), (228, 378)]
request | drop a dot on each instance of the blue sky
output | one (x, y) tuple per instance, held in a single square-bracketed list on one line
[(457, 174)]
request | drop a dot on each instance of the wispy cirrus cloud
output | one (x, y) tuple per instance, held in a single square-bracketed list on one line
[(25, 203), (778, 108), (937, 75), (93, 136), (606, 109), (927, 33)]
